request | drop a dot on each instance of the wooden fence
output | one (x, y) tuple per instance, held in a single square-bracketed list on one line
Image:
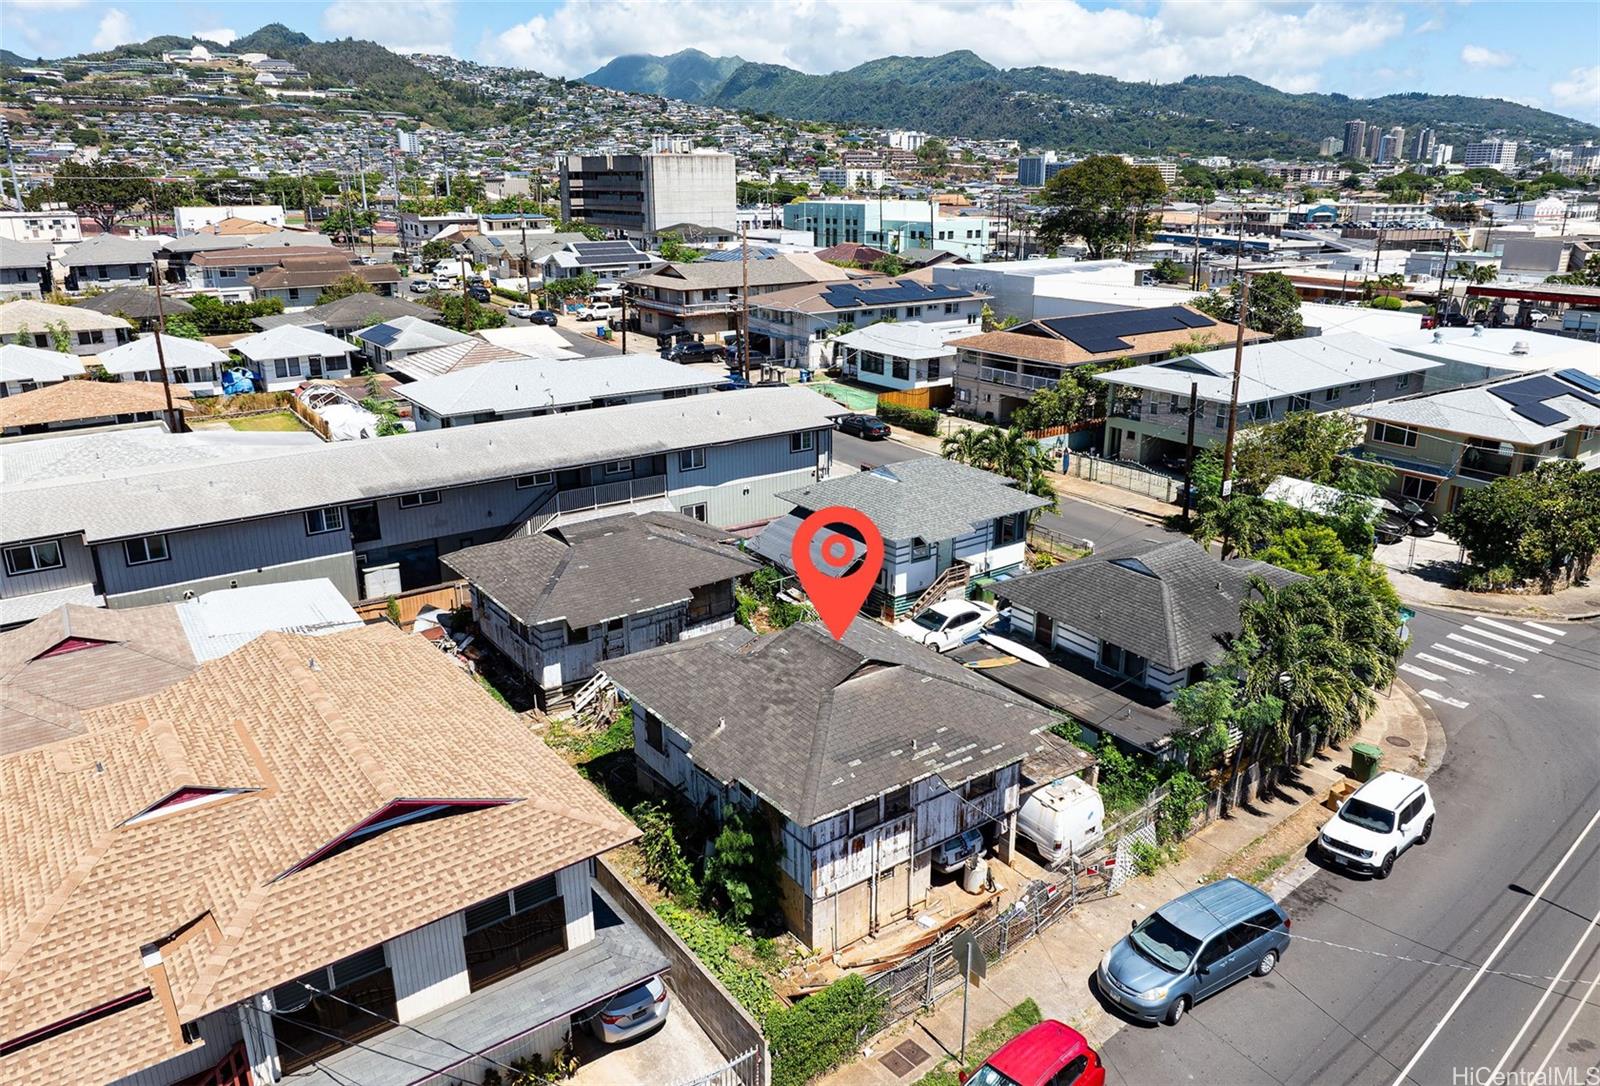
[(309, 417), (937, 397), (446, 597)]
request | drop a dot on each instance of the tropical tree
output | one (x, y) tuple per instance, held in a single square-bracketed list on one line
[(1215, 708), (343, 287), (1170, 271), (1102, 200), (1586, 276), (889, 264), (1274, 306), (1541, 525), (674, 251), (102, 191), (1005, 452)]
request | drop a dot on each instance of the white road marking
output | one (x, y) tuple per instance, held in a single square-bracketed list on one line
[(1412, 670), (1434, 695), (1445, 664), (1494, 1076), (1458, 653), (1486, 648), (1519, 632), (1587, 1000), (1538, 896), (1547, 629), (1538, 697), (1523, 645)]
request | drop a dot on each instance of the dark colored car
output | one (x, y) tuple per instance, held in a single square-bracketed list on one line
[(543, 316), (1049, 1054), (867, 426), (1419, 522), (478, 292), (691, 352), (735, 357), (1389, 529)]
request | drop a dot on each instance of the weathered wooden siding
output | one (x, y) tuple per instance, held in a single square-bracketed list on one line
[(849, 860)]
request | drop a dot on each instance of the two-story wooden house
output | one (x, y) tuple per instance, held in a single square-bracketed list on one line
[(862, 755)]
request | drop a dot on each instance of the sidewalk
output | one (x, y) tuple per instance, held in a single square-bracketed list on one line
[(1568, 605), (1264, 843)]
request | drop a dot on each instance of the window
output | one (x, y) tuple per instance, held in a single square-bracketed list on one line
[(696, 511), (978, 786), (150, 548), (1220, 947), (691, 459), (1008, 529), (578, 635), (33, 557), (933, 369), (328, 519), (655, 736), (508, 933), (1330, 395), (1418, 489), (286, 367), (1071, 1073), (1259, 410), (620, 467), (864, 816), (902, 369), (1116, 659), (921, 549), (1222, 415), (1300, 403), (1402, 382), (897, 803), (331, 1008), (420, 498), (538, 478), (1410, 810), (802, 442), (872, 363), (1390, 434)]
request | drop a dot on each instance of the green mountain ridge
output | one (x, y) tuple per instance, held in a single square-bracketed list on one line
[(688, 75), (961, 93)]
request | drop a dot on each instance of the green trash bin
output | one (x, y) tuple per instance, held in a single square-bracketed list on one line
[(1366, 761)]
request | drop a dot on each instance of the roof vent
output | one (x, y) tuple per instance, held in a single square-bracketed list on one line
[(1438, 336), (1477, 329), (1520, 347)]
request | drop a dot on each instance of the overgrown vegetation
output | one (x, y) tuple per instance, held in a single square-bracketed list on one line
[(727, 952), (759, 607), (821, 1032), (1274, 306)]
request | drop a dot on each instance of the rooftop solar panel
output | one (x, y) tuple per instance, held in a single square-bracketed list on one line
[(1105, 333), (1539, 413), (381, 334), (1586, 381), (853, 295), (1532, 390)]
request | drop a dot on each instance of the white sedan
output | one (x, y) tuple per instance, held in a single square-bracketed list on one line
[(522, 311), (947, 624)]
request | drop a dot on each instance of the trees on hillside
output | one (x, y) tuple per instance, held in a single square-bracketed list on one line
[(1274, 305), (1102, 200)]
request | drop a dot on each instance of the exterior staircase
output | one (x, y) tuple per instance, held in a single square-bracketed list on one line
[(953, 579)]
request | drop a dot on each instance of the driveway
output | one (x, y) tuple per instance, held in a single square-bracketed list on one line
[(677, 1052)]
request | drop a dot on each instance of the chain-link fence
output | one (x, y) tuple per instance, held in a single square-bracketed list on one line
[(1132, 477)]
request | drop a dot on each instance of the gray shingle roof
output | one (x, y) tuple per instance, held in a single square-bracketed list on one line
[(598, 570), (930, 497), (109, 501), (25, 254), (138, 303), (815, 726), (111, 249), (1171, 603), (525, 384)]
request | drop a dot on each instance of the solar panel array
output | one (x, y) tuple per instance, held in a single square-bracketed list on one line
[(1103, 333), (381, 334), (853, 295), (1586, 381), (604, 252), (757, 252), (1527, 398)]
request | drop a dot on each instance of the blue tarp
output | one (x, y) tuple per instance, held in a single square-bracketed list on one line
[(236, 381)]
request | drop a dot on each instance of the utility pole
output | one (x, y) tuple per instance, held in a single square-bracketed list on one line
[(394, 171), (1444, 267), (527, 280), (1233, 397), (744, 301), (1199, 211), (361, 166), (11, 166), (1188, 460), (174, 422)]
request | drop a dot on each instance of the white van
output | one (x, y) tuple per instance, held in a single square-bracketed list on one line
[(1062, 818)]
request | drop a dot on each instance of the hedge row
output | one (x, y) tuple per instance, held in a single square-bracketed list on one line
[(922, 420), (821, 1032)]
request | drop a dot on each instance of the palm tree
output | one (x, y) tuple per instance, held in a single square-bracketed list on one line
[(1016, 455), (968, 445)]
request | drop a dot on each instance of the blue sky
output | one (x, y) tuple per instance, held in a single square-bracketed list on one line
[(1542, 54)]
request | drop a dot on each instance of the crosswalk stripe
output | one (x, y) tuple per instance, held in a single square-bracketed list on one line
[(1412, 670), (1547, 629), (1520, 633), (1486, 648), (1457, 652), (1445, 664), (1523, 645), (1434, 695)]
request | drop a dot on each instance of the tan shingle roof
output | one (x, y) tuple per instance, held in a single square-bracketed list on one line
[(327, 731), (36, 316), (74, 401), (1047, 347)]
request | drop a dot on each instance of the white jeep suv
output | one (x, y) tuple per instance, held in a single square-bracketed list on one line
[(1378, 822)]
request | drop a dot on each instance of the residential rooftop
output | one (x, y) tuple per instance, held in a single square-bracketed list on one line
[(1526, 409), (1098, 337), (927, 498), (529, 384)]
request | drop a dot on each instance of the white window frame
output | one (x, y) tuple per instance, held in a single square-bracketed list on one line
[(538, 478), (1386, 432), (330, 517), (697, 511), (692, 459), (32, 550), (418, 498), (619, 467), (143, 544), (804, 441)]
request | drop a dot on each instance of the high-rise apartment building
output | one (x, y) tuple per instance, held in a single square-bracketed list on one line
[(638, 196), (1030, 169), (1330, 147), (1496, 154), (1355, 138), (1371, 141), (1422, 145)]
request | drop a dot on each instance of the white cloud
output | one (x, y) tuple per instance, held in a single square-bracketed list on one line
[(1263, 40), (222, 35), (115, 29), (1477, 56), (1580, 91), (410, 26)]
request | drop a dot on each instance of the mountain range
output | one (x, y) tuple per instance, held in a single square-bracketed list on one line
[(961, 93)]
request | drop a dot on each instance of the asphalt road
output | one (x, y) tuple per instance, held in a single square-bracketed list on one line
[(1518, 796)]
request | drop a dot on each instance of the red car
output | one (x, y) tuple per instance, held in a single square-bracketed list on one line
[(1050, 1054)]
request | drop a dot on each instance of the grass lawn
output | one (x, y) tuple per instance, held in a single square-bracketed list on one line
[(985, 1044), (277, 421), (852, 396)]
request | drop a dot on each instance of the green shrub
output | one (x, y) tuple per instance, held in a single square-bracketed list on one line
[(1147, 858), (712, 941), (1126, 780), (741, 871), (920, 420), (1386, 301), (1186, 798), (822, 1031), (664, 861)]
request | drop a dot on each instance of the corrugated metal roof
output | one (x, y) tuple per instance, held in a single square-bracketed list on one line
[(218, 622)]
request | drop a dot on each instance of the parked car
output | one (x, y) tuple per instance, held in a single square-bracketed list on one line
[(1419, 521), (736, 357), (868, 426), (544, 316), (421, 286), (479, 293), (1378, 822), (1061, 819), (691, 352), (950, 856), (1389, 529), (1191, 948), (1049, 1054), (946, 624), (636, 1011), (597, 311), (522, 311)]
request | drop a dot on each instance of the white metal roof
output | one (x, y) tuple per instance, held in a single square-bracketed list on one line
[(20, 363), (140, 355), (290, 341), (218, 622), (533, 383), (908, 339)]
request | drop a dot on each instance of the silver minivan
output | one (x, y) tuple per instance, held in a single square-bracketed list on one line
[(1193, 947)]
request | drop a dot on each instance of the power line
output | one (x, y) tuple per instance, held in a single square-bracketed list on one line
[(255, 1030), (413, 1029), (388, 1055)]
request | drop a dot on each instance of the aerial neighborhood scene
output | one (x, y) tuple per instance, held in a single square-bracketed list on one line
[(718, 543)]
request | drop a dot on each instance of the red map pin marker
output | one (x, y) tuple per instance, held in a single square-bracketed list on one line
[(836, 594)]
